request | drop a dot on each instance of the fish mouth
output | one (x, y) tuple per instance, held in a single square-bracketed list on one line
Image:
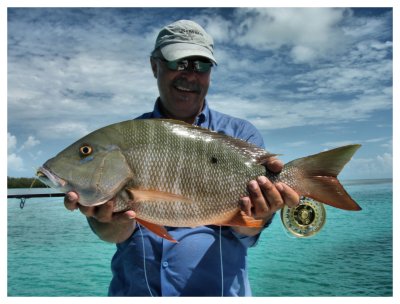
[(85, 198), (50, 179)]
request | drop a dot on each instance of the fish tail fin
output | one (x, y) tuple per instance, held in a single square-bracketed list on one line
[(318, 177)]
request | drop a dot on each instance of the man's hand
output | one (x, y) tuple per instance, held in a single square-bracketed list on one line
[(265, 198), (109, 226)]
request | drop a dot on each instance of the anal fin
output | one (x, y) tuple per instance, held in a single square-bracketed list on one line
[(157, 229)]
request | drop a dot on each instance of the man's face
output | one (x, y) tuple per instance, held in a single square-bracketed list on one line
[(182, 93)]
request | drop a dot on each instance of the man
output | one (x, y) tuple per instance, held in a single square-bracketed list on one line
[(207, 260)]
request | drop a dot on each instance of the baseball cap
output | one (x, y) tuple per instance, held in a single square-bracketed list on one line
[(184, 38)]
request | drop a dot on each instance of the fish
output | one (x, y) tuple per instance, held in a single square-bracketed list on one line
[(171, 173)]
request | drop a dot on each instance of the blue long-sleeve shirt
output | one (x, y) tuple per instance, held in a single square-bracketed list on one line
[(191, 267)]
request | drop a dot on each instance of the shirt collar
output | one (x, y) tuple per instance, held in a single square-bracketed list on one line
[(201, 120)]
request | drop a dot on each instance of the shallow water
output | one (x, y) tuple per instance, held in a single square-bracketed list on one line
[(52, 252)]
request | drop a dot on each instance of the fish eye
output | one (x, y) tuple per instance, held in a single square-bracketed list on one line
[(85, 150)]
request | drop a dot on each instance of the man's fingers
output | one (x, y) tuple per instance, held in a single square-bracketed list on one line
[(87, 211), (104, 212), (272, 195), (258, 201), (71, 201), (246, 205), (126, 216), (290, 196), (274, 165), (264, 196)]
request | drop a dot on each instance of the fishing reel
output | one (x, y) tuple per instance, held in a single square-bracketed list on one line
[(304, 220)]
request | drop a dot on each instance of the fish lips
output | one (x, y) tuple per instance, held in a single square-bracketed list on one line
[(50, 179)]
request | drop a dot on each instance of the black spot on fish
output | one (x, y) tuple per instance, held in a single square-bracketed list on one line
[(214, 160)]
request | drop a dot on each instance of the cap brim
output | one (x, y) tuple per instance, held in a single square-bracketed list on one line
[(176, 51)]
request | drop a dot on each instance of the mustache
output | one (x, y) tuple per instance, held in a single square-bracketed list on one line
[(190, 85)]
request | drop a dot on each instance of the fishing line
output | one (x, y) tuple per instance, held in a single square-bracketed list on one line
[(221, 261), (34, 180), (144, 261)]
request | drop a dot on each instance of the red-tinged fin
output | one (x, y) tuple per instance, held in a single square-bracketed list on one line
[(319, 177), (141, 195), (241, 219), (157, 229), (328, 190)]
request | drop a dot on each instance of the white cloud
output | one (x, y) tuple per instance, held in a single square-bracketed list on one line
[(218, 27), (15, 154), (30, 143), (64, 129), (302, 54), (296, 144), (11, 143), (270, 114), (310, 32), (375, 140), (379, 166), (14, 162), (90, 71), (385, 160), (364, 27)]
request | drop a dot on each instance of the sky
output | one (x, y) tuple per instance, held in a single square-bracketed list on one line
[(310, 79)]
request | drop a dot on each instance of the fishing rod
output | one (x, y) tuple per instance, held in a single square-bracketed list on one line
[(25, 196)]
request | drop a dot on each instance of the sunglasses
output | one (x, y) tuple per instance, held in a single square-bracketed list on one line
[(188, 65)]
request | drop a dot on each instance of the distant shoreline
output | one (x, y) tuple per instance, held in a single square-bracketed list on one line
[(366, 181), (24, 182)]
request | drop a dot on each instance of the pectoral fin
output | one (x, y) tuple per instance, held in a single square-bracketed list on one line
[(143, 195), (157, 229)]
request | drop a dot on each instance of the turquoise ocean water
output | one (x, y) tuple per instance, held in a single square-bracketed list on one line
[(52, 252)]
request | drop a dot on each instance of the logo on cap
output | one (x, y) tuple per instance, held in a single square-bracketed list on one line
[(190, 32)]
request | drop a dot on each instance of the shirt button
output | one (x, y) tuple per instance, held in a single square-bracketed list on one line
[(165, 264)]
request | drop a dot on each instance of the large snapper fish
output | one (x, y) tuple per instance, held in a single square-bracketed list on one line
[(175, 174)]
